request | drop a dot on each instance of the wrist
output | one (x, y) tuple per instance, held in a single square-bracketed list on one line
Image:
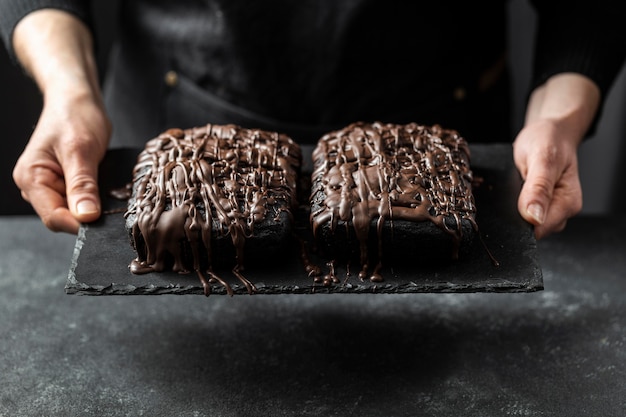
[(568, 102), (56, 50), (71, 95)]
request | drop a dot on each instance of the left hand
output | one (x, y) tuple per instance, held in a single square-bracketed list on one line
[(558, 115), (547, 161)]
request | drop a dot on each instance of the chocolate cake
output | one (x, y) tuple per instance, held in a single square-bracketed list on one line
[(382, 191), (203, 194)]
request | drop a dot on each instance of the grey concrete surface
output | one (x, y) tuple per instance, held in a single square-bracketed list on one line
[(558, 352)]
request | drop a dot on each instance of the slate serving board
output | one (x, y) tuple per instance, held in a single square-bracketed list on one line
[(102, 253)]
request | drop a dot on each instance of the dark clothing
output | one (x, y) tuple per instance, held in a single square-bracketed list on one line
[(305, 67)]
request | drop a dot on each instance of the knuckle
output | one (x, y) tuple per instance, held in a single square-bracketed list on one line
[(26, 177), (50, 222), (58, 220), (77, 143), (18, 179), (575, 206), (550, 154), (82, 183), (561, 226), (20, 173), (541, 186)]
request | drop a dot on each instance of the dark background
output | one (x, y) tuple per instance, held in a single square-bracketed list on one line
[(604, 191), (557, 352)]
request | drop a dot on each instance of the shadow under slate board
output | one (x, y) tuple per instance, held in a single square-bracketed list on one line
[(102, 253)]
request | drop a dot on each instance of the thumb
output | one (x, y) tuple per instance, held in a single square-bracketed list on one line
[(536, 194), (81, 181)]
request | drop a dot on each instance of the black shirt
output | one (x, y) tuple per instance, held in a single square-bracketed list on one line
[(311, 65)]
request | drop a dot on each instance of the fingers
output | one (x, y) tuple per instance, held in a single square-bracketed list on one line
[(548, 211), (551, 193), (58, 170), (61, 208), (536, 194), (566, 202), (61, 182), (44, 189), (54, 215), (81, 179)]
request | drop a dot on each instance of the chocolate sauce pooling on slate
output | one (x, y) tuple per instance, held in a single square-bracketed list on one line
[(385, 172), (193, 186)]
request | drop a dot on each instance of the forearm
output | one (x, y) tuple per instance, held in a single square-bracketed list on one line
[(56, 49), (569, 101), (58, 170)]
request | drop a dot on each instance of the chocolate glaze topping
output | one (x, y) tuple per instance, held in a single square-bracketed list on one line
[(374, 173), (191, 187)]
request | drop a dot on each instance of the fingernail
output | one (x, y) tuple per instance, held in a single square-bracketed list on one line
[(536, 212), (86, 207)]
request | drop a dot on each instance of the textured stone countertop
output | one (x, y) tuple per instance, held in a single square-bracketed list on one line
[(556, 352)]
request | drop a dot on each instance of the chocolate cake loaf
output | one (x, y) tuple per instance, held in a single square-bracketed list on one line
[(203, 194), (383, 191)]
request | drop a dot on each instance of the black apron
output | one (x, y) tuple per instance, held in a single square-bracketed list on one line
[(373, 64)]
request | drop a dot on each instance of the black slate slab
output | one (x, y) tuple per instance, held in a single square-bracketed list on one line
[(102, 251)]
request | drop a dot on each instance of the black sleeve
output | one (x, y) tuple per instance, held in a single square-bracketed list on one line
[(12, 11), (581, 36)]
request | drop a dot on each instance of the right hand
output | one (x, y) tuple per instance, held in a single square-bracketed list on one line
[(58, 170)]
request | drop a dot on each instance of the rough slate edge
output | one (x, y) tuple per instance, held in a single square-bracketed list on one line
[(521, 271)]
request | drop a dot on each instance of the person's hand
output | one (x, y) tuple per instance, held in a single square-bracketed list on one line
[(57, 172), (545, 151), (547, 161)]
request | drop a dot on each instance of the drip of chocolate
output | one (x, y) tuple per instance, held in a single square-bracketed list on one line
[(384, 172), (191, 187)]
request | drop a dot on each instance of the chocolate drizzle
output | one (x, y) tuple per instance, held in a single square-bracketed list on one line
[(369, 174), (192, 187)]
